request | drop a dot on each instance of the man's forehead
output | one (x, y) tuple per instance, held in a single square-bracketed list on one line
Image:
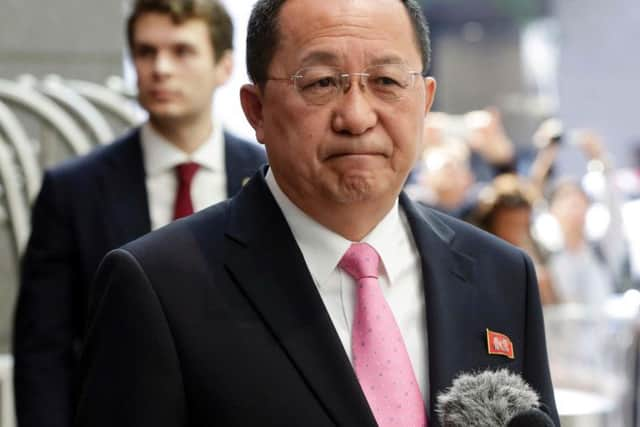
[(323, 12), (153, 26), (333, 58), (319, 28)]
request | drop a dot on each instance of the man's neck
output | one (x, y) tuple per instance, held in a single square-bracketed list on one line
[(353, 220), (187, 135)]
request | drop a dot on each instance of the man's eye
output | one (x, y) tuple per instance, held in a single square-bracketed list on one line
[(387, 81), (183, 50), (143, 52), (320, 83)]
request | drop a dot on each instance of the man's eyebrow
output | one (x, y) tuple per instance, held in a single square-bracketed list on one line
[(388, 59), (319, 56), (325, 57)]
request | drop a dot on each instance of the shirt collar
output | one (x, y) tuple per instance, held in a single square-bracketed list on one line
[(160, 155), (322, 248)]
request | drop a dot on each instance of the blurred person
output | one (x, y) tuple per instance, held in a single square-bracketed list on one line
[(320, 289), (589, 259), (579, 270), (492, 150), (445, 179), (435, 125), (546, 141), (505, 208), (436, 129), (181, 50)]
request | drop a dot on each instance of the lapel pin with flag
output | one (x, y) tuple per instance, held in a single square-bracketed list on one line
[(499, 344)]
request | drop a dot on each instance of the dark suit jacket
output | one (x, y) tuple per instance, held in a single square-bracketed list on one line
[(86, 207), (215, 321)]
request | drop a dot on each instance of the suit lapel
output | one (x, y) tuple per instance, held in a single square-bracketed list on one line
[(235, 165), (449, 294), (125, 194), (266, 263)]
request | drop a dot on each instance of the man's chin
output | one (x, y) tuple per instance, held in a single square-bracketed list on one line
[(165, 113), (359, 189)]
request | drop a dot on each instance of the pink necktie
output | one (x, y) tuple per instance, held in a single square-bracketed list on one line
[(380, 357), (183, 205)]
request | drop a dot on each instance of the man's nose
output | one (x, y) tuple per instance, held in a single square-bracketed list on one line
[(163, 64), (354, 112)]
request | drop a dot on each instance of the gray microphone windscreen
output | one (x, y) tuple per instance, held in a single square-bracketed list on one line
[(488, 398)]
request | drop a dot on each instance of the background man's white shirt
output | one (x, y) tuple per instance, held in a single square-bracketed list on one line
[(209, 184)]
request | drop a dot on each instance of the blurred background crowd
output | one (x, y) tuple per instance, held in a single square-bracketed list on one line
[(535, 138)]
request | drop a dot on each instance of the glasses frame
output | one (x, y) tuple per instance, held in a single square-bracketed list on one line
[(345, 80)]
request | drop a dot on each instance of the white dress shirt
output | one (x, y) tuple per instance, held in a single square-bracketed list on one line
[(209, 184), (400, 276)]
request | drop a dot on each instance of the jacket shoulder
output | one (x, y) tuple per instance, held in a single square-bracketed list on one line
[(467, 237), (202, 232), (128, 145), (241, 147)]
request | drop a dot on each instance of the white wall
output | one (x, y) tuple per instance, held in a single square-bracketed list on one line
[(227, 99)]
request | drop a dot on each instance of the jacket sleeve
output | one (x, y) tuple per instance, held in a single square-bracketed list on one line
[(536, 362), (43, 335), (129, 368)]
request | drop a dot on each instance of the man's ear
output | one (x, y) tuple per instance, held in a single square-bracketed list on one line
[(224, 67), (430, 93), (251, 100)]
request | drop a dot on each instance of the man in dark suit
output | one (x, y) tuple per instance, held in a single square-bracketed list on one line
[(320, 295), (88, 206)]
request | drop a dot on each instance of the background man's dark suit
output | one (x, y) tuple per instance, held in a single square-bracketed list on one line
[(86, 207), (226, 326)]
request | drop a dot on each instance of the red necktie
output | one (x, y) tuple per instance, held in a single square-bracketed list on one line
[(183, 206), (380, 357)]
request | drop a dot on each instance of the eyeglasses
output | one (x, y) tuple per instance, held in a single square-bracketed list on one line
[(320, 85)]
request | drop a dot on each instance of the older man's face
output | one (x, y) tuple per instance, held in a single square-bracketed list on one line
[(356, 148)]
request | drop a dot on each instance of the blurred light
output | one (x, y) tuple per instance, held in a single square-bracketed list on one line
[(540, 57), (623, 306), (576, 402), (546, 230), (632, 296), (597, 221)]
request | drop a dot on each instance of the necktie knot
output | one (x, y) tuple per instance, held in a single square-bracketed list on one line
[(186, 171), (360, 261)]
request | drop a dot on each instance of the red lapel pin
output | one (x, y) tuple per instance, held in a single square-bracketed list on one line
[(500, 344)]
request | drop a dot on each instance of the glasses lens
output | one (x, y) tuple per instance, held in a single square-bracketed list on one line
[(320, 85), (317, 85), (389, 81)]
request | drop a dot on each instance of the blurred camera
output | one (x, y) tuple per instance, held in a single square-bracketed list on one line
[(550, 132)]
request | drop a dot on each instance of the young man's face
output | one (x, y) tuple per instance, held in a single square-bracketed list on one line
[(176, 67)]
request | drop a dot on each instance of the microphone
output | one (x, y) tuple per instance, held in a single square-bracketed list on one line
[(531, 418), (491, 398)]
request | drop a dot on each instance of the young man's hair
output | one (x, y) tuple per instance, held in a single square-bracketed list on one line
[(212, 12)]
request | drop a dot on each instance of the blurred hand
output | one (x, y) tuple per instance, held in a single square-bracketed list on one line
[(590, 143), (542, 164), (487, 136), (435, 125)]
